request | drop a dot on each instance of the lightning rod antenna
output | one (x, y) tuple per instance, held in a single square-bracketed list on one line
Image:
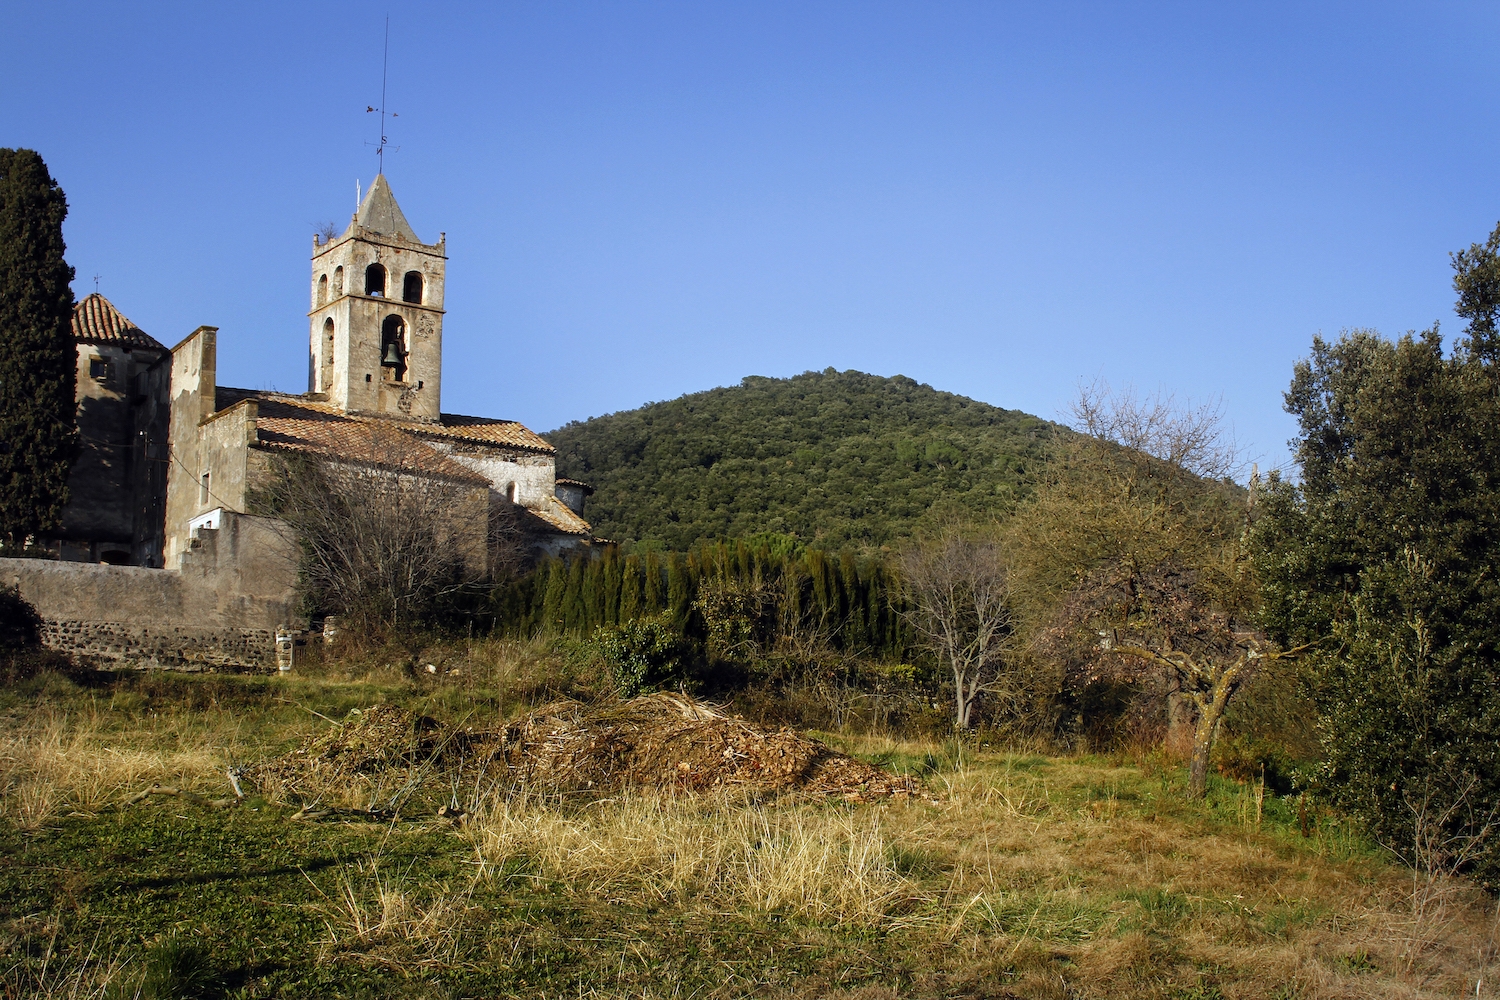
[(385, 61)]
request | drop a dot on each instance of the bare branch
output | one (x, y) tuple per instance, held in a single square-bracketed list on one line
[(958, 601), (1187, 435), (387, 529)]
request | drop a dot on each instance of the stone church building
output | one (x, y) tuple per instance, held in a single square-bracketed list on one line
[(159, 551), (375, 352)]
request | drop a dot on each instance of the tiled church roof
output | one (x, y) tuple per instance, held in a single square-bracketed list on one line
[(97, 321), (283, 424), (502, 432), (561, 518), (290, 423), (480, 430)]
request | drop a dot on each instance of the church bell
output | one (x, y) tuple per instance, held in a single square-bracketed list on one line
[(392, 356)]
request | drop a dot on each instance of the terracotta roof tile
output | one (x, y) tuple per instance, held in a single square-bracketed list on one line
[(284, 425), (97, 321), (292, 423), (559, 516), (501, 432)]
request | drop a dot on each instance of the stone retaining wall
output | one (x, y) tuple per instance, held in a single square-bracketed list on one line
[(180, 647), (218, 610)]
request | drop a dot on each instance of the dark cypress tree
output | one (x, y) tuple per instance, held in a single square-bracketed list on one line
[(855, 631), (574, 614), (611, 587), (679, 590), (630, 589), (553, 593), (38, 367), (654, 600)]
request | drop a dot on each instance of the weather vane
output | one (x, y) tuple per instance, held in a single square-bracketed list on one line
[(385, 62), (96, 284)]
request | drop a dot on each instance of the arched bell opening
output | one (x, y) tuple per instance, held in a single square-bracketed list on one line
[(338, 281), (322, 289), (393, 347), (375, 280), (411, 287)]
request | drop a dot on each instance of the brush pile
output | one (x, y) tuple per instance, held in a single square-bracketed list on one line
[(660, 741), (668, 741)]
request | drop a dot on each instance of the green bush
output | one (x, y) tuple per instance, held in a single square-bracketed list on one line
[(645, 654), (1247, 759), (20, 625)]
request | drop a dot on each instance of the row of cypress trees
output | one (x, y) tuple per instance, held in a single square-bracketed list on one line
[(761, 591)]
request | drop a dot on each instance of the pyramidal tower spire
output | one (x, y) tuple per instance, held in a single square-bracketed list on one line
[(379, 212), (376, 322)]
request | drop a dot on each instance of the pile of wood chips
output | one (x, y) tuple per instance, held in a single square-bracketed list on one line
[(673, 742), (663, 741)]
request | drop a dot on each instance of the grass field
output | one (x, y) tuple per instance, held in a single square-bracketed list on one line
[(1015, 875)]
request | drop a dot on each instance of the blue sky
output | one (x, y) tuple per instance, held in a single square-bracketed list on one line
[(643, 200)]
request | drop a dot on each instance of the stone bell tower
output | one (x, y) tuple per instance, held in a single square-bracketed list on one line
[(376, 324)]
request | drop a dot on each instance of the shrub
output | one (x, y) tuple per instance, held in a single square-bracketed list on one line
[(20, 625), (643, 655)]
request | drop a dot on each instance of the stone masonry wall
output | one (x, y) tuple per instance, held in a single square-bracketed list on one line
[(219, 610), (179, 647)]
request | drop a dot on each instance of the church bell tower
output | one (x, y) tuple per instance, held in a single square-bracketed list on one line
[(376, 324)]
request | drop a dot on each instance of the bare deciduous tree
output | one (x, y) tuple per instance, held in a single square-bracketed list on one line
[(1134, 559), (1191, 624), (958, 601), (388, 528), (1157, 428)]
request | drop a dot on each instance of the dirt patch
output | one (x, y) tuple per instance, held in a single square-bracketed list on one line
[(658, 741)]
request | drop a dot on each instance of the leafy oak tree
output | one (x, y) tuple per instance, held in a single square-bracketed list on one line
[(38, 435), (1388, 546)]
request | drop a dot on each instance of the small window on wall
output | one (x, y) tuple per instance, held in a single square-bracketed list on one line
[(203, 489), (512, 492), (99, 370), (322, 289), (338, 281), (411, 288), (375, 280)]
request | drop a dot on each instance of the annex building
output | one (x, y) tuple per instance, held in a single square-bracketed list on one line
[(159, 550)]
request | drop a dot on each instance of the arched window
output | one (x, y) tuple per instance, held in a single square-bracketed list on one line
[(375, 280), (325, 356), (338, 281), (411, 288), (393, 346), (512, 491), (322, 289)]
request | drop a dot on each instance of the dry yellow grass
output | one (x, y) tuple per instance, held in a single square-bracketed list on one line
[(1012, 868), (379, 917), (718, 851), (1016, 874), (56, 763)]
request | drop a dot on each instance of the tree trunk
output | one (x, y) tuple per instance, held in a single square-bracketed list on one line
[(960, 702), (1210, 714), (1203, 746)]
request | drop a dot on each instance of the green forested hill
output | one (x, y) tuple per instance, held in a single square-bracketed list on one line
[(832, 457)]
